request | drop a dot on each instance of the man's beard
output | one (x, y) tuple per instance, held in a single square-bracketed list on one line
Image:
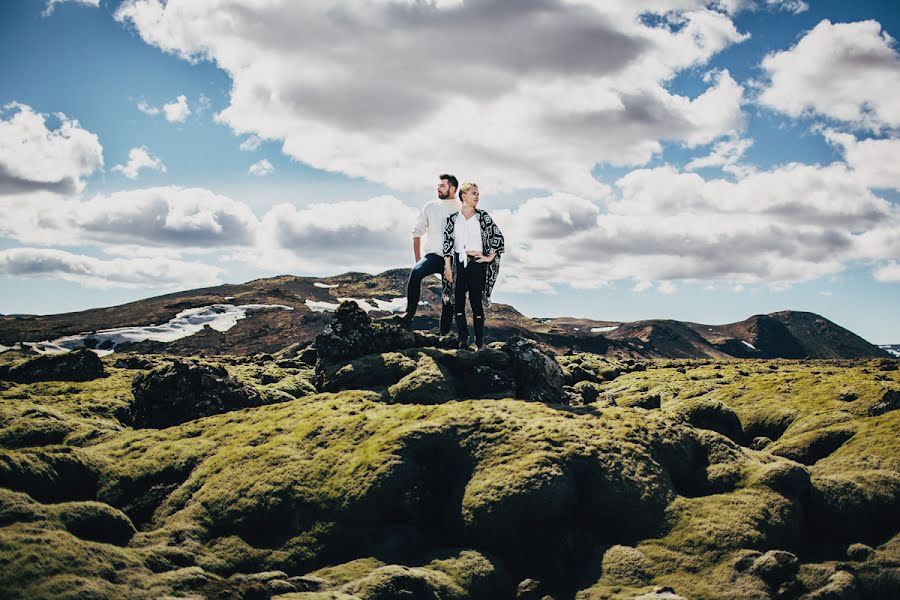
[(443, 195)]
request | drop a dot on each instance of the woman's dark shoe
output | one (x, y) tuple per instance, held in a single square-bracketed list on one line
[(462, 344)]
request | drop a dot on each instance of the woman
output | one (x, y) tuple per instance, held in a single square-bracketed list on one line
[(472, 247)]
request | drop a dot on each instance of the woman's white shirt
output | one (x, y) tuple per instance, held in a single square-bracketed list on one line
[(467, 236)]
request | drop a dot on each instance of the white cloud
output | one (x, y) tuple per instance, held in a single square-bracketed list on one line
[(147, 109), (261, 168), (140, 158), (178, 111), (791, 224), (352, 87), (846, 71), (174, 112), (370, 235), (34, 157), (889, 273), (877, 161), (667, 287), (97, 273), (725, 155), (251, 144), (51, 5), (174, 218)]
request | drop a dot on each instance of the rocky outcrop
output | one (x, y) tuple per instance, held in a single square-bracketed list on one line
[(412, 367), (78, 365), (182, 391)]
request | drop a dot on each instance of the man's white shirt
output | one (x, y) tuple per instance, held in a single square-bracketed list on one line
[(430, 224)]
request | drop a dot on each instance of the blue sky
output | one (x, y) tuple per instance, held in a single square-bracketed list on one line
[(707, 162)]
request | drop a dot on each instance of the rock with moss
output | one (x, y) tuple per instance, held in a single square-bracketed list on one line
[(625, 566), (96, 521), (428, 383), (889, 400), (50, 474), (77, 365), (712, 415), (182, 391)]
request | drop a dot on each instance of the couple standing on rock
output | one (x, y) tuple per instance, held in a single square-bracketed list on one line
[(465, 245)]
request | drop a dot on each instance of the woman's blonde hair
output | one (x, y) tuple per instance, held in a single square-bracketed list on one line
[(464, 188)]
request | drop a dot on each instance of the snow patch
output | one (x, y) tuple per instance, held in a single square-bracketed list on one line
[(220, 317), (749, 345), (604, 329), (326, 286), (372, 304)]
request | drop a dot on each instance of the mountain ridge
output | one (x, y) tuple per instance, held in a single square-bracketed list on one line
[(783, 334)]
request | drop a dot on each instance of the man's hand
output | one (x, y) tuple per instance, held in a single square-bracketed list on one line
[(417, 248)]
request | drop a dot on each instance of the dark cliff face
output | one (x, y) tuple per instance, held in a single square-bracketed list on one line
[(785, 334)]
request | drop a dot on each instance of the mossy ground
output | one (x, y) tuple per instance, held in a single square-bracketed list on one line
[(456, 499)]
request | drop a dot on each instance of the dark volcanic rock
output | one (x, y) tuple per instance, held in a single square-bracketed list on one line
[(183, 391), (537, 375), (353, 334), (78, 365), (889, 401)]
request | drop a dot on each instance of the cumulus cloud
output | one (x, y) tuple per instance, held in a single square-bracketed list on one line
[(790, 224), (251, 144), (51, 5), (369, 235), (261, 168), (34, 157), (353, 87), (877, 161), (726, 155), (171, 217), (140, 158), (97, 273), (846, 71), (889, 273), (178, 111), (174, 112)]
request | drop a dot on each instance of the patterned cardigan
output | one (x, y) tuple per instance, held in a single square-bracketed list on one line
[(491, 241)]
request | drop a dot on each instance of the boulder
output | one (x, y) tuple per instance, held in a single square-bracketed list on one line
[(775, 567), (182, 391), (529, 589), (760, 442), (96, 522), (352, 334), (78, 365), (538, 376), (890, 400), (625, 566), (134, 362), (645, 400), (859, 552)]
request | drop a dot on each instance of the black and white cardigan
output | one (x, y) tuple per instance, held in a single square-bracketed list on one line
[(491, 241)]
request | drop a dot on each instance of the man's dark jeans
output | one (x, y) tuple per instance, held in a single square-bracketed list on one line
[(429, 265)]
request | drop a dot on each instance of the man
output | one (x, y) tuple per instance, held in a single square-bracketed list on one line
[(430, 222)]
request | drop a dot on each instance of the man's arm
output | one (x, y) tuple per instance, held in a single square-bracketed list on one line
[(418, 231)]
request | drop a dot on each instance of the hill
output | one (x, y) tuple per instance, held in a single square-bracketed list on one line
[(280, 313)]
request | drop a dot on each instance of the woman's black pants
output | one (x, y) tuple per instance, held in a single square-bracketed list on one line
[(470, 279)]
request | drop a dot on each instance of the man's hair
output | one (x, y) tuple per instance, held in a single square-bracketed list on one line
[(453, 181)]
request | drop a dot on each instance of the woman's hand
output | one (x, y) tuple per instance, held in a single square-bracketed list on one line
[(448, 274), (485, 258)]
